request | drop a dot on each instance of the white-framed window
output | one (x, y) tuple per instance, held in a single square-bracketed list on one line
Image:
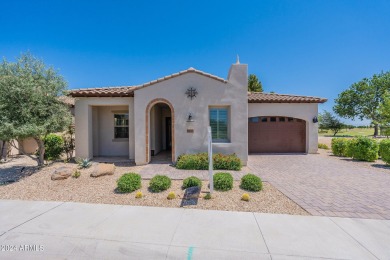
[(219, 122), (121, 126)]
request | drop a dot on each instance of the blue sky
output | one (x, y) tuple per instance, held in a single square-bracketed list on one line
[(316, 48)]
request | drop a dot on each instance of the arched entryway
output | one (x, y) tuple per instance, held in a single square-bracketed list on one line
[(276, 134), (160, 130)]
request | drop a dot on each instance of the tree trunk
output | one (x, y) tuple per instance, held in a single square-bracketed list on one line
[(376, 129), (41, 149), (3, 154)]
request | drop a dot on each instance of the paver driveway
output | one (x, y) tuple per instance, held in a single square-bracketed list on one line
[(329, 186)]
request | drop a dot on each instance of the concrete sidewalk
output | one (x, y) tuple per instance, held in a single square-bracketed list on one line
[(96, 231)]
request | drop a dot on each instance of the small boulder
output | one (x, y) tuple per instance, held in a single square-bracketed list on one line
[(62, 173), (102, 169)]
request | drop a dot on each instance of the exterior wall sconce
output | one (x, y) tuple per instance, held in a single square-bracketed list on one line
[(190, 118), (315, 119), (190, 123)]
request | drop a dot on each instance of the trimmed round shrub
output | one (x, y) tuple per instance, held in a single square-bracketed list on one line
[(129, 182), (159, 183), (54, 146), (251, 182), (223, 181), (363, 149), (384, 150), (339, 146), (191, 182)]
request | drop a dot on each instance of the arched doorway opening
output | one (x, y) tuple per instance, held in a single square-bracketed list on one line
[(160, 141)]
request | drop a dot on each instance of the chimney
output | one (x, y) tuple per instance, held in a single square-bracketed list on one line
[(238, 75)]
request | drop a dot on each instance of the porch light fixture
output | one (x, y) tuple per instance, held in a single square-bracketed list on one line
[(315, 119), (190, 118), (191, 93)]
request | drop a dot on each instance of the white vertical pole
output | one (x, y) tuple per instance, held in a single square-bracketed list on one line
[(210, 150)]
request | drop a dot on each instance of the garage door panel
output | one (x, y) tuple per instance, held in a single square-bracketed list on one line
[(280, 136)]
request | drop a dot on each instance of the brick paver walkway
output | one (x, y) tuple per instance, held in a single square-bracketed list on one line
[(329, 186)]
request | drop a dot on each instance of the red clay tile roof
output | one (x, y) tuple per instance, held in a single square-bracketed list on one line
[(129, 91), (260, 97), (253, 97), (189, 70), (103, 92), (67, 100)]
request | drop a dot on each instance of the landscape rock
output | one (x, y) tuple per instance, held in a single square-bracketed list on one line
[(62, 173), (102, 169)]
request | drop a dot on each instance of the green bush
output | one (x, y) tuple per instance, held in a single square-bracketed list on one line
[(323, 146), (197, 161), (200, 161), (339, 146), (226, 162), (223, 181), (129, 182), (159, 183), (363, 149), (251, 182), (54, 146), (191, 182), (384, 150)]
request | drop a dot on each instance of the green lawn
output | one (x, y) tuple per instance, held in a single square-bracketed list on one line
[(350, 132)]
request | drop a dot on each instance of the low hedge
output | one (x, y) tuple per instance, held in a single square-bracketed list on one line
[(191, 182), (363, 149), (339, 146), (384, 150), (200, 161), (223, 181), (129, 182), (251, 182), (159, 183)]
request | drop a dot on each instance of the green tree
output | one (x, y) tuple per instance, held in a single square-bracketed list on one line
[(254, 84), (330, 122), (364, 99), (29, 105)]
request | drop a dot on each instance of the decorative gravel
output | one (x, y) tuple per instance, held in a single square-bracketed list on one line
[(39, 186)]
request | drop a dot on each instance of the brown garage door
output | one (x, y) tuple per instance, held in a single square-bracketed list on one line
[(276, 135)]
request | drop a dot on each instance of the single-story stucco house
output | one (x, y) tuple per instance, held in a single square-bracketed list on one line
[(173, 113)]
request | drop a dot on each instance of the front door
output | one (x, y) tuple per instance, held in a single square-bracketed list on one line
[(168, 136)]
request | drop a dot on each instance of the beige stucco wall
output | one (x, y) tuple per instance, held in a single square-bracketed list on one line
[(104, 143), (302, 111), (94, 117), (211, 92), (29, 145)]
